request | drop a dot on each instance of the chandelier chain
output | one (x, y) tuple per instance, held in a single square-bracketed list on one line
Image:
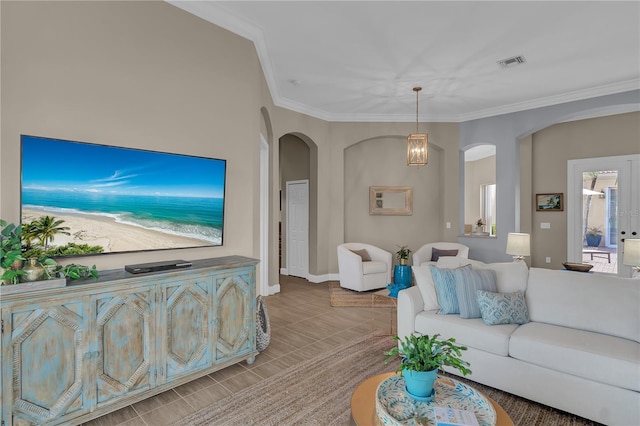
[(417, 90)]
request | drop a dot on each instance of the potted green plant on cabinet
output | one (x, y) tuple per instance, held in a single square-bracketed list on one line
[(422, 356), (40, 272), (10, 253)]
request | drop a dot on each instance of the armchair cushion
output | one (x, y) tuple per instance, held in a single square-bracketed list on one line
[(372, 267), (363, 254), (436, 253), (425, 253)]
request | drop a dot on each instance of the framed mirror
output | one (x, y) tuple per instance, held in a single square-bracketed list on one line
[(391, 200)]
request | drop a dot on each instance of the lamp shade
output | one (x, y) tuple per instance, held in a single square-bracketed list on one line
[(518, 244), (631, 252)]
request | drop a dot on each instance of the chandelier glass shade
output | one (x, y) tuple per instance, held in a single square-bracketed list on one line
[(417, 143)]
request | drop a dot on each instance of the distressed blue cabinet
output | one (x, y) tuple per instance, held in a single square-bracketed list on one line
[(45, 368), (235, 316), (186, 310), (124, 349), (71, 354)]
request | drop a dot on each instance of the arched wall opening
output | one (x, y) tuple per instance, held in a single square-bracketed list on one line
[(298, 160), (381, 161)]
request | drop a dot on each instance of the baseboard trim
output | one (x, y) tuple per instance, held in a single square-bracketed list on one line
[(273, 289), (315, 278), (323, 278)]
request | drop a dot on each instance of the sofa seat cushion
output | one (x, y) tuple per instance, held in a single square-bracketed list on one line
[(598, 357), (374, 268), (468, 332)]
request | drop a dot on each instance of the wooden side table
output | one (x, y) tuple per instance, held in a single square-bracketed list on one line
[(363, 403)]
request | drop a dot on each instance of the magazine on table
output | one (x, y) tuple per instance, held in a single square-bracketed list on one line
[(452, 417)]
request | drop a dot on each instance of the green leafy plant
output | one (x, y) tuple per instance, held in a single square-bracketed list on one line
[(428, 353), (403, 253), (595, 231), (15, 245), (10, 252), (76, 272)]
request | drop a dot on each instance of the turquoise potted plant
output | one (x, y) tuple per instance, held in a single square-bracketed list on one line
[(401, 273), (421, 358)]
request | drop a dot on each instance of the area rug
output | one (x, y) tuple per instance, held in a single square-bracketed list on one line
[(342, 297), (318, 392)]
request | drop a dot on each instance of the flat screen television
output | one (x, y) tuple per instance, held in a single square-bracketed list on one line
[(118, 199)]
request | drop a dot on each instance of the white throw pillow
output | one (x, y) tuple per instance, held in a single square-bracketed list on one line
[(427, 287), (452, 262)]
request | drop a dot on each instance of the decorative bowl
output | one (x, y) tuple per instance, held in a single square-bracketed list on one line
[(580, 267)]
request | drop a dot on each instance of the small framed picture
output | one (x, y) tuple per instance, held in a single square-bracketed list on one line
[(549, 202)]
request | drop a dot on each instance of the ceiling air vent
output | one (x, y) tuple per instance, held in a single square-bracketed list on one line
[(512, 62)]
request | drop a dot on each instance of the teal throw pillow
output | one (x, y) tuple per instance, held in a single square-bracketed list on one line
[(502, 308), (467, 282), (444, 281)]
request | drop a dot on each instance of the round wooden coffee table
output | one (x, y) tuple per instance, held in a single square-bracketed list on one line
[(363, 403)]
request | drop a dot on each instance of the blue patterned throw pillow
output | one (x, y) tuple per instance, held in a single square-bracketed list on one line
[(502, 308), (467, 281), (444, 281)]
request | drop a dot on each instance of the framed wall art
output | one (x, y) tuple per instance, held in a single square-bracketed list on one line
[(549, 202)]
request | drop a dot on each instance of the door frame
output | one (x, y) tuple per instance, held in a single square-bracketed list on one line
[(628, 199)]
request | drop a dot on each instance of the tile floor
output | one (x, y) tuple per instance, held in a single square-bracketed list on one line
[(303, 324), (600, 262)]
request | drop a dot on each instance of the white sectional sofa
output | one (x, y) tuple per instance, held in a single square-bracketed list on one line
[(579, 352)]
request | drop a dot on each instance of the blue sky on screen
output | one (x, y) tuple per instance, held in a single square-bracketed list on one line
[(62, 165)]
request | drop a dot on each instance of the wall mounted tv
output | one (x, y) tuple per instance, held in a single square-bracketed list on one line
[(116, 200)]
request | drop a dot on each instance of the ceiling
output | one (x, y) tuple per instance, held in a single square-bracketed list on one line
[(359, 60)]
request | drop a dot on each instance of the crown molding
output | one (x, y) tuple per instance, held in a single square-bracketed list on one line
[(216, 13), (578, 95)]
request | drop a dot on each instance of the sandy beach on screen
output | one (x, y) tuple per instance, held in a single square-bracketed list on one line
[(106, 232)]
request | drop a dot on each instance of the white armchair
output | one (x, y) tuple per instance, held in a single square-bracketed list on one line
[(359, 275), (424, 253)]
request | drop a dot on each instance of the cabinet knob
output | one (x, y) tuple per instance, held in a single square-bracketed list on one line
[(623, 232)]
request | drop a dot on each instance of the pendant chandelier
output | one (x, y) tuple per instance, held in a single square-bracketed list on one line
[(417, 143)]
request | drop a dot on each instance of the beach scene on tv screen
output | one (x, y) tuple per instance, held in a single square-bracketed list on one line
[(105, 199)]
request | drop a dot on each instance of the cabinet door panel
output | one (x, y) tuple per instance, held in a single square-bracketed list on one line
[(49, 353), (235, 301), (125, 354), (186, 319)]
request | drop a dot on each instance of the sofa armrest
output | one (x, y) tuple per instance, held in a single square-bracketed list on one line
[(410, 304)]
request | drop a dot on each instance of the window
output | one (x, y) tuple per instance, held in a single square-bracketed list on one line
[(488, 207)]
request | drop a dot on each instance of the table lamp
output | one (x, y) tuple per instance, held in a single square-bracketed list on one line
[(518, 245), (632, 255)]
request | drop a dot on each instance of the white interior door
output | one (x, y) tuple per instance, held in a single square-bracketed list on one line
[(603, 193), (298, 228)]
